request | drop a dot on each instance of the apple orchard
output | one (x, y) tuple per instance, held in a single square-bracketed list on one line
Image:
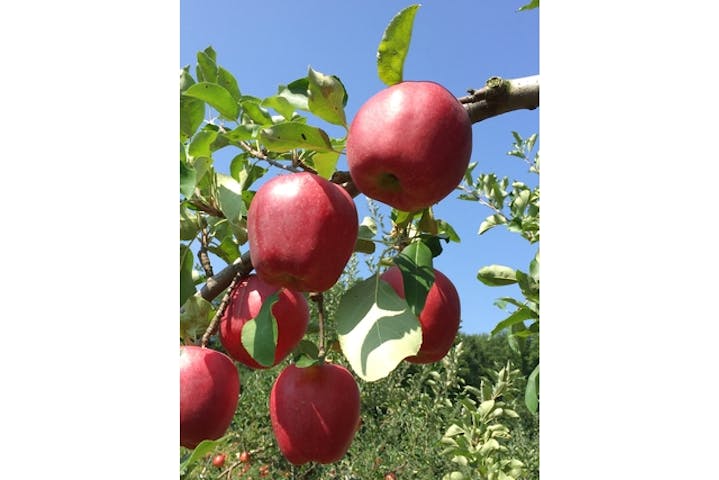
[(408, 147)]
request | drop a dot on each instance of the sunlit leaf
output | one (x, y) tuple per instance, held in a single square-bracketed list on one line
[(530, 6), (394, 45), (520, 315), (531, 394), (207, 66), (327, 97), (287, 136), (376, 329), (216, 96), (188, 179), (195, 317), (229, 82), (296, 93), (497, 275), (229, 196)]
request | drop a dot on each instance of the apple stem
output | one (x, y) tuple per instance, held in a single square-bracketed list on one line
[(215, 323), (318, 298)]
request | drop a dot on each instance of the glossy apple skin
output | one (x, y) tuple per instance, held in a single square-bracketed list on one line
[(315, 412), (209, 391), (439, 318), (302, 231), (409, 145), (291, 312)]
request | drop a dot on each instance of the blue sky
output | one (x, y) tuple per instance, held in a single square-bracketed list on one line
[(457, 44)]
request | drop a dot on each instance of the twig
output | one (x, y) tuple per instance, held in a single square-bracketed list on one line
[(212, 327), (318, 298), (202, 253)]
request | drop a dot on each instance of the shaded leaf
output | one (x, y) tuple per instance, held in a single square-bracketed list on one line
[(252, 110), (521, 314), (259, 335), (415, 264), (229, 197), (394, 45), (376, 329), (187, 285)]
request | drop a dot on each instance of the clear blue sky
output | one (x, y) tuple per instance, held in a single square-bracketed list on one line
[(457, 44)]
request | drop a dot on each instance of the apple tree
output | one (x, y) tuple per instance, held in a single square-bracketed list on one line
[(283, 223)]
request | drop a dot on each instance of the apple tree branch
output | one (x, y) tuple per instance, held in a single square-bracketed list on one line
[(497, 97)]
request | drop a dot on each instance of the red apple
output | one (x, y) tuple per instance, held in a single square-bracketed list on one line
[(302, 231), (291, 312), (314, 412), (209, 391), (409, 145), (219, 460), (439, 318)]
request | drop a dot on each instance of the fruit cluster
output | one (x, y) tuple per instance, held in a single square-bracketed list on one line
[(407, 147)]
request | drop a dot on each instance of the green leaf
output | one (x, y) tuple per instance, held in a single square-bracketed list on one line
[(497, 275), (520, 315), (216, 96), (185, 78), (188, 179), (415, 263), (531, 394), (327, 97), (492, 221), (192, 113), (280, 104), (325, 163), (427, 222), (229, 82), (296, 93), (534, 267), (240, 133), (259, 335), (187, 285), (228, 250), (229, 196), (200, 145), (528, 286), (446, 229), (189, 223), (284, 137), (530, 6), (195, 316), (376, 329), (244, 172), (253, 110), (394, 45), (202, 449), (207, 66), (367, 229)]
